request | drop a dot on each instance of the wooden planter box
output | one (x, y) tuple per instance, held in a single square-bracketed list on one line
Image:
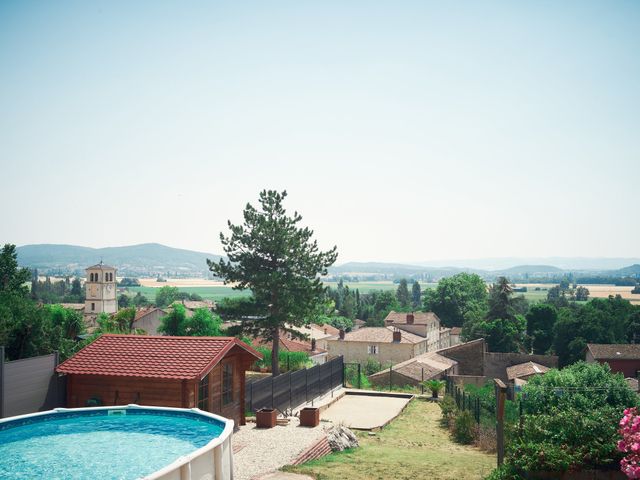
[(309, 417), (266, 418)]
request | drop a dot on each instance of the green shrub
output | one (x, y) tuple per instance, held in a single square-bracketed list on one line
[(505, 472), (581, 386), (570, 420), (448, 407), (286, 360), (464, 427)]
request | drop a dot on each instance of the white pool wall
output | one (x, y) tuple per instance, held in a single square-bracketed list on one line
[(214, 461)]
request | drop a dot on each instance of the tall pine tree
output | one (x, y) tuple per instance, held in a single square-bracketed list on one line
[(402, 294), (279, 262)]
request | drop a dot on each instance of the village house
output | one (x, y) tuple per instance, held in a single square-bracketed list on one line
[(524, 371), (455, 336), (518, 375), (424, 324), (149, 319), (466, 363), (185, 372), (381, 344), (622, 358), (357, 323), (319, 333), (428, 366), (192, 305)]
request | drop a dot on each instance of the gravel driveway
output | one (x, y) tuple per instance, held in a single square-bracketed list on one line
[(262, 450)]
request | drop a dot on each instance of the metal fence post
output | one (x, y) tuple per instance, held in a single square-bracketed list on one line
[(501, 394), (359, 376), (390, 377), (422, 382)]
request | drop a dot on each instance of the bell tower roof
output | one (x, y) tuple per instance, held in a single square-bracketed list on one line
[(100, 266)]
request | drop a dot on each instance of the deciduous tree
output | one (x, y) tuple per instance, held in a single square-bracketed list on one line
[(457, 298)]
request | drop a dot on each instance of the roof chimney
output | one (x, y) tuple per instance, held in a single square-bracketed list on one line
[(342, 334), (410, 318), (397, 336), (313, 344)]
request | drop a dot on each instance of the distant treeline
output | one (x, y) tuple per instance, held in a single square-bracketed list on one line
[(591, 280)]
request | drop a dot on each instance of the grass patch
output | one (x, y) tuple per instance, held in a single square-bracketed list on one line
[(412, 446)]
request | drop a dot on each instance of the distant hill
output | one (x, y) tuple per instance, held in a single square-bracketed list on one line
[(391, 270), (630, 271), (530, 270), (152, 259), (592, 264), (147, 259)]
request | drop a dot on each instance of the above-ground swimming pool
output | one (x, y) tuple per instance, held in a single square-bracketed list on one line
[(124, 443)]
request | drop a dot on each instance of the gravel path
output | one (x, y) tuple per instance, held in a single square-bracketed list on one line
[(259, 451)]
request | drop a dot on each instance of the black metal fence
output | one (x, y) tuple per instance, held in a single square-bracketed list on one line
[(292, 389), (30, 385), (465, 400)]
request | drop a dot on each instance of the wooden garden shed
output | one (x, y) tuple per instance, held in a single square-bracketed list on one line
[(185, 372)]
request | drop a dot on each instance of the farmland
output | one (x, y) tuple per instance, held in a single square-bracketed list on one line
[(595, 291), (216, 290)]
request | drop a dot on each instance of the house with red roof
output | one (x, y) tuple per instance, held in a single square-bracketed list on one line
[(184, 372)]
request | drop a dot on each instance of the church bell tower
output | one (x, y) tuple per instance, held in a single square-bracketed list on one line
[(101, 291)]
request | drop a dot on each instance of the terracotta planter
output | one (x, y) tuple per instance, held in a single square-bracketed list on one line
[(266, 418), (310, 417)]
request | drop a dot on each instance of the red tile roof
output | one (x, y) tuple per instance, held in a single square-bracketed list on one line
[(180, 358)]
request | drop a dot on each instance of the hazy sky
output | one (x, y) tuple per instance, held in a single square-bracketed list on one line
[(403, 131)]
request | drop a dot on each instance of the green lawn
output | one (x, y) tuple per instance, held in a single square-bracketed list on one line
[(413, 446)]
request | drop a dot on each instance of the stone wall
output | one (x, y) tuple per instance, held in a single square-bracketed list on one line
[(495, 364), (470, 357), (462, 380)]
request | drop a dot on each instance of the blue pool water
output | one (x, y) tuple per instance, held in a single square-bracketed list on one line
[(100, 446)]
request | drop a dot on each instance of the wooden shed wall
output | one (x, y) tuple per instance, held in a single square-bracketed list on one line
[(125, 390)]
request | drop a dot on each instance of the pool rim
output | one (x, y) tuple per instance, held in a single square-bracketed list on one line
[(225, 434)]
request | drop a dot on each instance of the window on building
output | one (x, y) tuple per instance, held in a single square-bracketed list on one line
[(203, 394), (93, 306), (372, 349), (227, 383)]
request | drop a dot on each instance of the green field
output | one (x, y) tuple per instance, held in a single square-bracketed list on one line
[(214, 294), (366, 287), (217, 293)]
